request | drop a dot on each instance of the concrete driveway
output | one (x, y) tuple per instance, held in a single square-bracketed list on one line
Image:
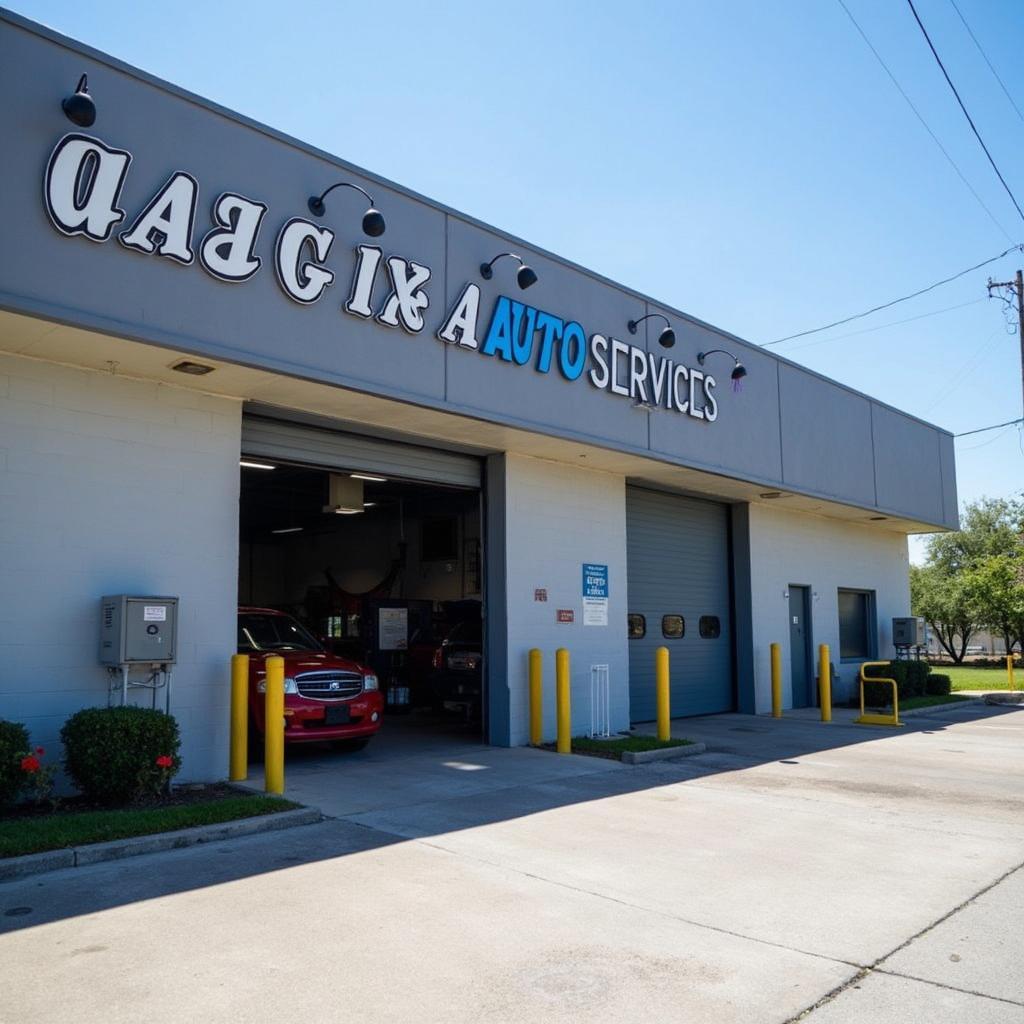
[(826, 873)]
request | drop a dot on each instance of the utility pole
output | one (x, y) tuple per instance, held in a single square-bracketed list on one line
[(1016, 288)]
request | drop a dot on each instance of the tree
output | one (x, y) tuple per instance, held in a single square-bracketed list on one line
[(945, 601), (998, 585), (974, 578)]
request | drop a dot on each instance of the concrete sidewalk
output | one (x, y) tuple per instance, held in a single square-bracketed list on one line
[(832, 871)]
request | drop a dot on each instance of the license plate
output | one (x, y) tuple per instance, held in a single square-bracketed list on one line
[(337, 716)]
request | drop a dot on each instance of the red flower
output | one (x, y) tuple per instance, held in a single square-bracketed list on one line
[(40, 751), (30, 764), (164, 761)]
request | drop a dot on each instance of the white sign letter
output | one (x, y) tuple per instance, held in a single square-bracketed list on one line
[(407, 301), (302, 280), (460, 327), (82, 186), (228, 251), (165, 225), (362, 284)]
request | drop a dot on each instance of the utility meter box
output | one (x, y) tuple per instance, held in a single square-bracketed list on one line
[(138, 630), (908, 632)]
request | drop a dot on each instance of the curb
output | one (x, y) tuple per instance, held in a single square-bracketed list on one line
[(939, 709), (97, 853), (664, 754)]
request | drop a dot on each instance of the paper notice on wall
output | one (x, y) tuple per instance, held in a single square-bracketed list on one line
[(392, 629), (595, 611), (595, 594), (154, 613)]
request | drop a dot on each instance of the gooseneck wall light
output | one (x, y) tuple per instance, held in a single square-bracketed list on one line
[(666, 339), (739, 371), (524, 275), (79, 106), (373, 219)]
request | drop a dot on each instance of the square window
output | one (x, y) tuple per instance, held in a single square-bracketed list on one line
[(637, 627), (673, 627), (857, 631), (710, 627)]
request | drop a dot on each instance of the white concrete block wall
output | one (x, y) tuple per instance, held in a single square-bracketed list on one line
[(826, 555), (559, 517), (111, 485)]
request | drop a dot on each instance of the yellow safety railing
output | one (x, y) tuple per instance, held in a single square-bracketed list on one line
[(866, 719)]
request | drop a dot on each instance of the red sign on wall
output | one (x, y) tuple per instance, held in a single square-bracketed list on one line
[(566, 615)]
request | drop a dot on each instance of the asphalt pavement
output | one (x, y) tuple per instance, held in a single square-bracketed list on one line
[(796, 871)]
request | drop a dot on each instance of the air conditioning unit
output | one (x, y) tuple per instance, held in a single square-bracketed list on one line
[(908, 632)]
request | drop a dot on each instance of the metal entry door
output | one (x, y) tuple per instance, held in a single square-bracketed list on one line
[(678, 566), (800, 646)]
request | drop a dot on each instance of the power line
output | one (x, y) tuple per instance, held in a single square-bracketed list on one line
[(995, 426), (995, 74), (920, 117), (891, 323), (949, 82), (894, 302)]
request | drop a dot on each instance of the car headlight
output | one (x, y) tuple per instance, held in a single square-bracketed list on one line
[(370, 682), (289, 685)]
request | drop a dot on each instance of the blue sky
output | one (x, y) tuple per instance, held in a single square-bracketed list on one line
[(749, 163)]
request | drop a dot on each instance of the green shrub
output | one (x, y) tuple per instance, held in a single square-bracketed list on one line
[(13, 747), (917, 678), (911, 681), (939, 685), (121, 755)]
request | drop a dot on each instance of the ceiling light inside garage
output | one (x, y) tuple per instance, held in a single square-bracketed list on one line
[(372, 479), (247, 464)]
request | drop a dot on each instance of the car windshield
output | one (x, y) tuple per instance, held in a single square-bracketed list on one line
[(260, 632)]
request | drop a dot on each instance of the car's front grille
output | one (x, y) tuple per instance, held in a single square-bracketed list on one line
[(329, 685)]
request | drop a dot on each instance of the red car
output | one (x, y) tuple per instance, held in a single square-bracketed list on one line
[(325, 697)]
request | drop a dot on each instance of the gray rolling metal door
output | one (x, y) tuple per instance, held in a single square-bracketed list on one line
[(296, 442), (678, 564)]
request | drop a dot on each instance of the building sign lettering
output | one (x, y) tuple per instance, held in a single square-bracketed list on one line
[(82, 191)]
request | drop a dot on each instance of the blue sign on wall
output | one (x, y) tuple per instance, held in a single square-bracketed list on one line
[(595, 594), (595, 580)]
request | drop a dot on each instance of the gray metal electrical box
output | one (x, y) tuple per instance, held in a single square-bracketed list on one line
[(138, 630), (908, 632)]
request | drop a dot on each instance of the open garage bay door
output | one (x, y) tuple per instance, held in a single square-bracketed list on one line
[(678, 564), (312, 446)]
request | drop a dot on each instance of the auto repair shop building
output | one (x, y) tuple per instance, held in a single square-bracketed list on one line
[(530, 445)]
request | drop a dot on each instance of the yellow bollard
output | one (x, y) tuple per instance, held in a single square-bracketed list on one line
[(273, 722), (238, 763), (825, 683), (776, 650), (562, 711), (1009, 671), (536, 698), (661, 682)]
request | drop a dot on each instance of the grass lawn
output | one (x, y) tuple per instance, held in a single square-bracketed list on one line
[(57, 831), (930, 701), (616, 747), (966, 677)]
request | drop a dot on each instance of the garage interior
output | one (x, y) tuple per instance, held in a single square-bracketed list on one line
[(382, 570)]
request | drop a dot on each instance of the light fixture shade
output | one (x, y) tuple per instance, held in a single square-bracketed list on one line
[(79, 107), (373, 223), (739, 371), (667, 338), (525, 277)]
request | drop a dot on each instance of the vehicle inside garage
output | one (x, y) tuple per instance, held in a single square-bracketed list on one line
[(363, 582)]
